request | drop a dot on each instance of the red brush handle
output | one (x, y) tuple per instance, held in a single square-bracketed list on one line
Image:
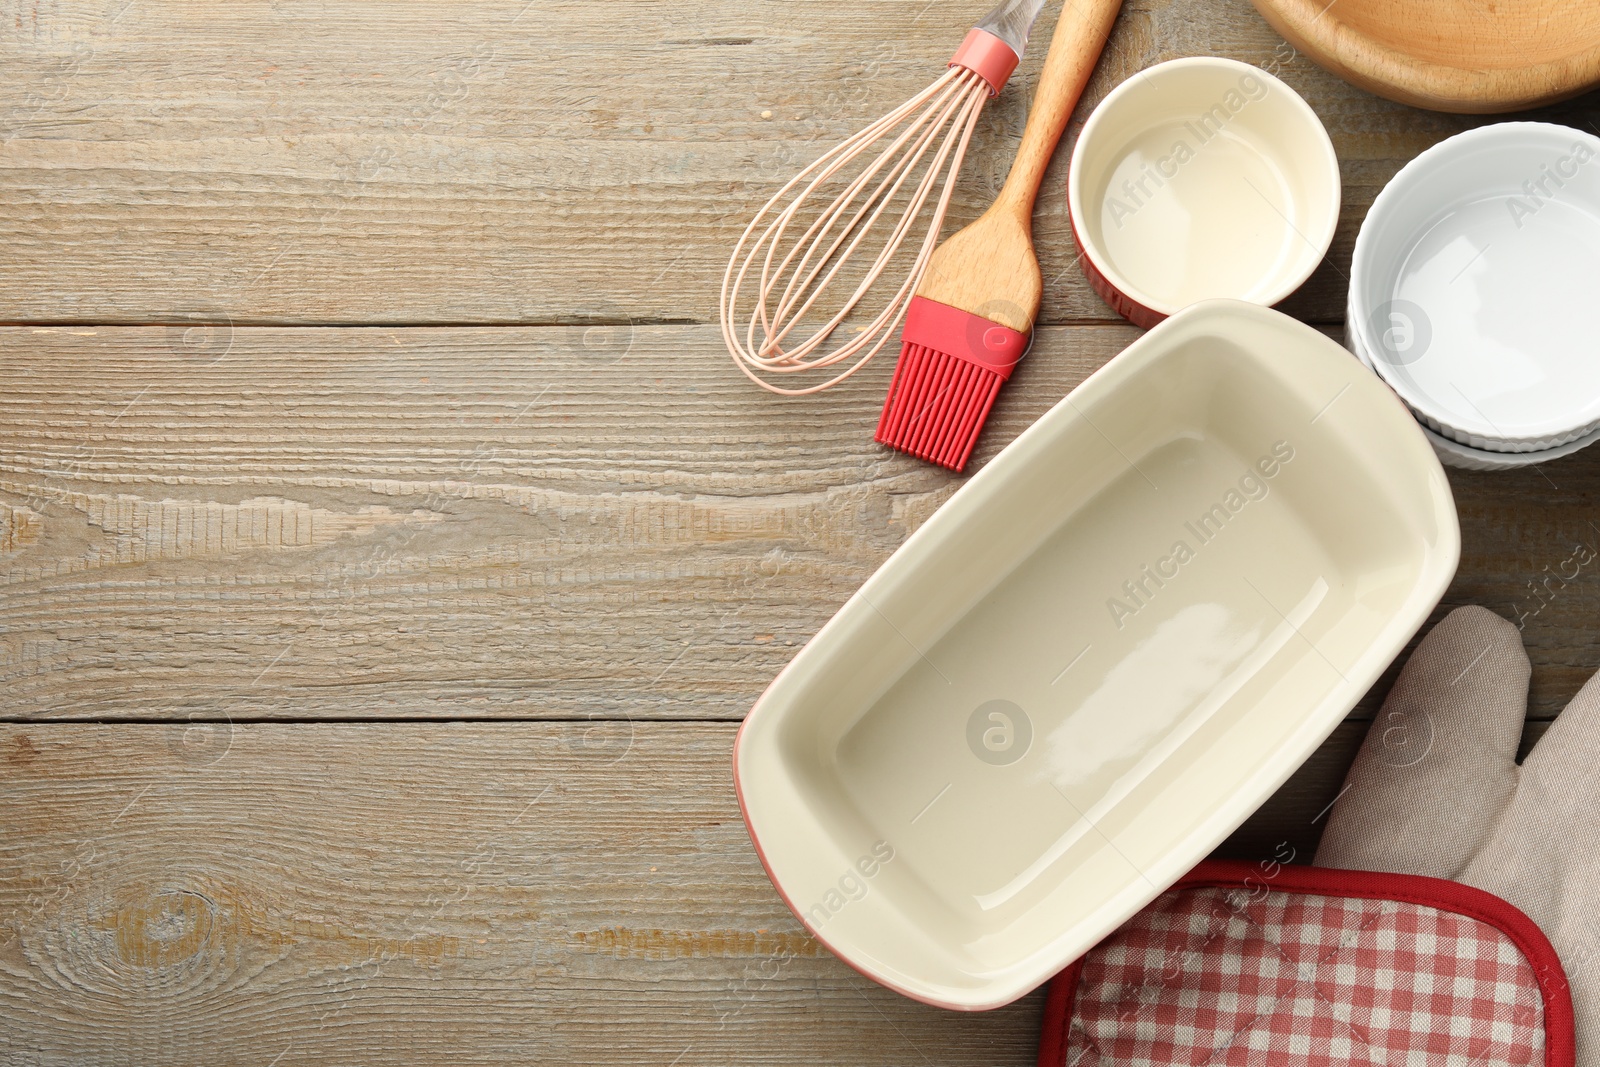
[(987, 345)]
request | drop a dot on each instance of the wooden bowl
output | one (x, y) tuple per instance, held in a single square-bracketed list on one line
[(1450, 55)]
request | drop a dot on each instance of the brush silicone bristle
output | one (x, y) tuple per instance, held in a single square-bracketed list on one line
[(952, 364), (937, 406)]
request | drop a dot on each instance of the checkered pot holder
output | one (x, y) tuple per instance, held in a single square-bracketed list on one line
[(1277, 965)]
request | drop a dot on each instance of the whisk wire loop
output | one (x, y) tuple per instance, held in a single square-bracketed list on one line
[(927, 140), (903, 164)]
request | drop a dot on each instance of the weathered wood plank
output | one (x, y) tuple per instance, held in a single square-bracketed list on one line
[(518, 161), (471, 893), (522, 523), (492, 522), (489, 893), (493, 893)]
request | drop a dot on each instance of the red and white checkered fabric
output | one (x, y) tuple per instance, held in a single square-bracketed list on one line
[(1230, 976)]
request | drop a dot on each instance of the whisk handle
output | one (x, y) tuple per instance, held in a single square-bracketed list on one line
[(987, 56), (1080, 34)]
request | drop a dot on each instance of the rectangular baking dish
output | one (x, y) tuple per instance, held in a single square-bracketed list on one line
[(1098, 657)]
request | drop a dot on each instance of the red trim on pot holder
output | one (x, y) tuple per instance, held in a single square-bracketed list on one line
[(1438, 893)]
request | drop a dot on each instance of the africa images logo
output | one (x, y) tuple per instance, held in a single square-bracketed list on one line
[(1141, 589), (1542, 190), (851, 885), (1204, 128)]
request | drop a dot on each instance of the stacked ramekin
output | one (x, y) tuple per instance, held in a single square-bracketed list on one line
[(1475, 293)]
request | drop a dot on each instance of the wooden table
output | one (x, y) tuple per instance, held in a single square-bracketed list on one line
[(389, 549)]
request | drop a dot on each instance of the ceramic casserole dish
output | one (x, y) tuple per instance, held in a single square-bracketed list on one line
[(1098, 657)]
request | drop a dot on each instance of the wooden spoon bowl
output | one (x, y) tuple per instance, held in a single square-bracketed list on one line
[(1450, 55)]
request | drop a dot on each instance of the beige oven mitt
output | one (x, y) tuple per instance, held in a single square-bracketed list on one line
[(1436, 790)]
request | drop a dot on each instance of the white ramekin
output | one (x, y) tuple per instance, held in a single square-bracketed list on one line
[(1453, 453), (1199, 178), (1475, 287)]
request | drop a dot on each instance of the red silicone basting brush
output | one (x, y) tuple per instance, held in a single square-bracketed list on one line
[(972, 315)]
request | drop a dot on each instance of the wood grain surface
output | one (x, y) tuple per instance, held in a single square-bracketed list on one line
[(517, 522), (473, 893), (388, 548), (506, 522), (516, 161), (462, 893)]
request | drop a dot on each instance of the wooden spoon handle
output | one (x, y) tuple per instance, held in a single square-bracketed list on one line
[(1080, 34)]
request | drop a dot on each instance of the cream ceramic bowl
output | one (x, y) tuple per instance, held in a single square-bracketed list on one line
[(1473, 287), (1097, 658), (1201, 178)]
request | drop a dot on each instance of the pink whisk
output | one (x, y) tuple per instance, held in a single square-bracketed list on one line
[(927, 140)]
